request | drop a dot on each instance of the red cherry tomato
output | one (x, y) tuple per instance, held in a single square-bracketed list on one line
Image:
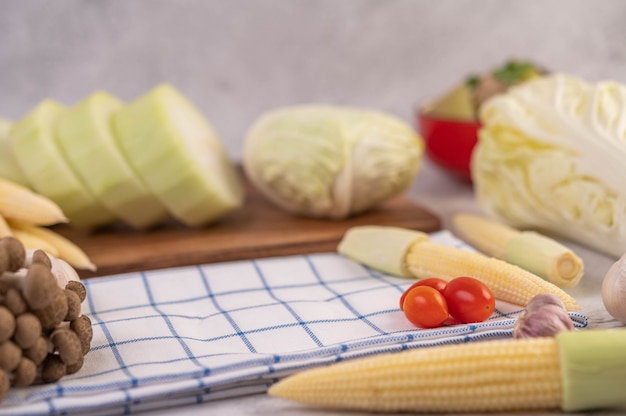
[(425, 307), (433, 282), (469, 300)]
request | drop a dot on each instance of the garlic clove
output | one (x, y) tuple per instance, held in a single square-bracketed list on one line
[(614, 290)]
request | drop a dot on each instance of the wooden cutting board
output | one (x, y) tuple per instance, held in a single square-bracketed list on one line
[(258, 229)]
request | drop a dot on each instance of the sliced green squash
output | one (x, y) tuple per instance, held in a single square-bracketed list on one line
[(32, 141), (177, 154), (85, 136), (9, 169)]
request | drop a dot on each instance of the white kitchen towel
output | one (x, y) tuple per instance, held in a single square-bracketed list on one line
[(185, 335)]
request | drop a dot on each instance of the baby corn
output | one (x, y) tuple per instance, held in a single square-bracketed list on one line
[(61, 247), (507, 282), (20, 203), (424, 258), (473, 377), (32, 242), (576, 370), (5, 230), (538, 254)]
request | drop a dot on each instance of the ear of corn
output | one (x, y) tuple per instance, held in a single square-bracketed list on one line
[(507, 282), (532, 251), (504, 375), (20, 203), (64, 248), (424, 258), (574, 371)]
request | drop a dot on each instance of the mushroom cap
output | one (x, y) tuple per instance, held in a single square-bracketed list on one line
[(53, 314), (53, 369), (5, 383), (40, 257), (10, 355), (38, 351), (7, 323), (71, 369), (82, 327), (25, 373), (15, 251), (14, 300), (39, 286), (27, 331), (73, 305), (4, 260), (67, 344), (78, 288)]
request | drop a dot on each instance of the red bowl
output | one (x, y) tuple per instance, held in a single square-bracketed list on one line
[(449, 143)]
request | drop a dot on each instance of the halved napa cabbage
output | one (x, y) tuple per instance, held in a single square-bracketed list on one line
[(552, 156)]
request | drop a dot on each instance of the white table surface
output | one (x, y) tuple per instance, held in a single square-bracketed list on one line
[(443, 195)]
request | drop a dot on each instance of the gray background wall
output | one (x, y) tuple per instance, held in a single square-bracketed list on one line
[(237, 58)]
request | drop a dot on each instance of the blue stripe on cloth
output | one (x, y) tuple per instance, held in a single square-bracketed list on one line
[(287, 306), (238, 332), (342, 297), (170, 326), (193, 334), (112, 345)]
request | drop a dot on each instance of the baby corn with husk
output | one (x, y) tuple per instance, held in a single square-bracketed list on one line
[(532, 251), (408, 253), (574, 371)]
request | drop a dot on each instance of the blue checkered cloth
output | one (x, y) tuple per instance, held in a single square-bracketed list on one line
[(187, 335)]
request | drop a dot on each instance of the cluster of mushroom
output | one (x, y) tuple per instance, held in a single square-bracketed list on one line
[(43, 334)]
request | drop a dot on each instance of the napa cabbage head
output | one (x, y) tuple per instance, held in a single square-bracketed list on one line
[(551, 156), (330, 161)]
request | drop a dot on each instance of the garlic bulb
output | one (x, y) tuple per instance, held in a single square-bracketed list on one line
[(545, 316), (614, 290)]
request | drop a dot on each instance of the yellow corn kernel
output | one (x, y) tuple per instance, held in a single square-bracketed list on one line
[(532, 251), (487, 376), (20, 203), (64, 248), (508, 282)]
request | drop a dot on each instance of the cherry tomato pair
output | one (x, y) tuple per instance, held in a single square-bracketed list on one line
[(429, 303)]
